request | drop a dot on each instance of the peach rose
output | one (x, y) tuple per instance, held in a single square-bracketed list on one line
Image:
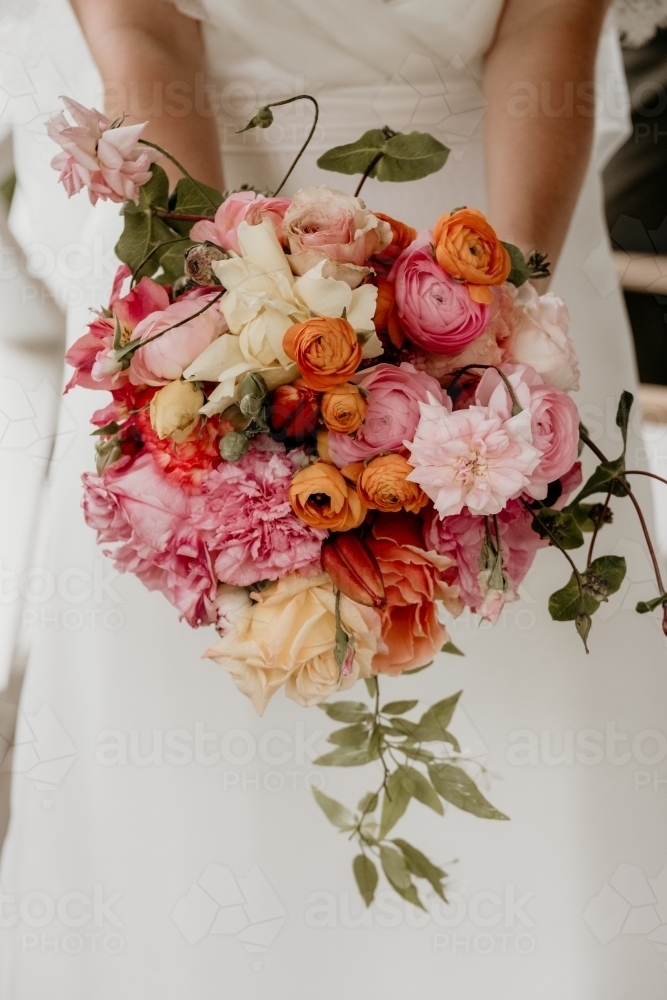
[(386, 314), (325, 349), (343, 408), (383, 485), (467, 248), (321, 497), (287, 636), (414, 579), (334, 225)]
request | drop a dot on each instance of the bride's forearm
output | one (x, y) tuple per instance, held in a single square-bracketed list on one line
[(151, 59), (539, 123)]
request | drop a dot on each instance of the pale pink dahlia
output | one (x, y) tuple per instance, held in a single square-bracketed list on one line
[(471, 458), (247, 522), (108, 161)]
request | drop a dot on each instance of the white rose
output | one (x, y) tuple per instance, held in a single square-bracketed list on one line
[(541, 339), (174, 410)]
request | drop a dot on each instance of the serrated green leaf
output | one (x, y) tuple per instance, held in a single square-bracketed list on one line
[(520, 272), (398, 707), (421, 789), (394, 802), (348, 757), (346, 711), (336, 813), (449, 647), (560, 525), (418, 864), (454, 785), (395, 868), (366, 876), (352, 736)]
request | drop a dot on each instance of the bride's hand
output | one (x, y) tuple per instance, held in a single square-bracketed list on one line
[(151, 59), (539, 86)]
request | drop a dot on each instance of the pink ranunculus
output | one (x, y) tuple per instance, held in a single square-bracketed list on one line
[(108, 161), (242, 206), (92, 355), (245, 517), (542, 339), (436, 312), (335, 224), (554, 420), (460, 537), (167, 357), (392, 415), (134, 503), (471, 458)]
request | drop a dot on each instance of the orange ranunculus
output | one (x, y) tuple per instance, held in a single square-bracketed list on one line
[(326, 350), (402, 236), (321, 497), (343, 408), (383, 485), (386, 314), (467, 248), (413, 580)]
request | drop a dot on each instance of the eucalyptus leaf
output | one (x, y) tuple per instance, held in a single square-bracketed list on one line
[(336, 813), (352, 736), (418, 864), (346, 711), (395, 801), (348, 757), (421, 789), (368, 802), (435, 720), (366, 877), (398, 707), (455, 786), (395, 868)]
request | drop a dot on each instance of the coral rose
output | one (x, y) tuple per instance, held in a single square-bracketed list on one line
[(344, 408), (435, 311), (383, 485), (414, 579), (325, 349), (467, 248), (288, 636), (321, 497)]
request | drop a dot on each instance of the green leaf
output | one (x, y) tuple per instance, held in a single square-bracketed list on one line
[(645, 606), (398, 707), (346, 711), (366, 875), (435, 720), (581, 513), (449, 647), (348, 757), (417, 670), (455, 786), (395, 868), (368, 802), (559, 525), (146, 234), (623, 416), (107, 430), (395, 157), (565, 604), (421, 789), (371, 685), (600, 481), (604, 577), (520, 272), (191, 197), (395, 801), (336, 813), (352, 736), (418, 753), (420, 866)]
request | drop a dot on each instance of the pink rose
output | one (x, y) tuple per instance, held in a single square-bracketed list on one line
[(134, 503), (554, 420), (88, 354), (392, 415), (245, 517), (436, 312), (336, 225), (542, 340), (167, 357), (242, 206), (108, 161)]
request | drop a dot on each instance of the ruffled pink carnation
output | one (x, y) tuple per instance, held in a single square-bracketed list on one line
[(167, 357), (108, 161), (133, 503), (436, 312), (395, 393), (246, 519), (471, 458), (242, 206)]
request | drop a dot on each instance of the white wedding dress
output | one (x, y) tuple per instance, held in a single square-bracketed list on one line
[(164, 841)]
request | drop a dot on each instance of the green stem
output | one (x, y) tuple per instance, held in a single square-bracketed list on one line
[(290, 100), (132, 347), (543, 527), (598, 524), (367, 172), (643, 472), (162, 213), (181, 239)]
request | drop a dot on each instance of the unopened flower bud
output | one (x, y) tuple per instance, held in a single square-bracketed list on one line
[(293, 411), (198, 263), (233, 446), (253, 384), (354, 569), (262, 118), (250, 406), (174, 410), (106, 453)]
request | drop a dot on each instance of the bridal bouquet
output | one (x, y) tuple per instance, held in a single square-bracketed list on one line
[(328, 435)]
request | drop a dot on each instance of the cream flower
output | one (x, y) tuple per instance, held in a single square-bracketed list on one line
[(287, 637), (542, 339), (262, 301)]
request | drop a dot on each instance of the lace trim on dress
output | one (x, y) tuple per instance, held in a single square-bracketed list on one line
[(638, 20)]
